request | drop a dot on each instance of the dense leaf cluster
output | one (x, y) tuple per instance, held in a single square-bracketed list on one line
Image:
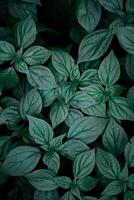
[(66, 99)]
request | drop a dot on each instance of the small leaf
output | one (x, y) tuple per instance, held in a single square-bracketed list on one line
[(88, 77), (52, 160), (7, 51), (36, 55), (62, 62), (42, 179), (67, 196), (107, 164), (126, 38), (21, 67), (119, 108), (84, 164), (114, 138), (82, 100), (58, 113), (40, 131), (87, 129), (21, 160), (63, 182), (113, 188), (72, 116), (41, 77), (109, 70), (48, 97), (30, 104), (94, 45), (88, 13), (87, 183), (71, 148), (25, 32)]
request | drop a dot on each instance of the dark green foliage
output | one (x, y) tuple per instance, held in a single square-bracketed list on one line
[(66, 99)]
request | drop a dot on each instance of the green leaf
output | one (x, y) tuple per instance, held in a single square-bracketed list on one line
[(94, 45), (46, 195), (87, 183), (71, 148), (130, 98), (114, 6), (98, 110), (67, 196), (119, 108), (62, 62), (88, 77), (72, 116), (10, 115), (107, 164), (56, 142), (116, 90), (113, 188), (52, 160), (21, 67), (64, 182), (25, 32), (88, 13), (114, 138), (129, 195), (30, 104), (109, 70), (131, 182), (7, 51), (129, 66), (84, 164), (58, 113), (42, 179), (9, 76), (82, 100), (40, 131), (21, 160), (87, 129), (48, 97), (96, 91), (126, 38), (36, 55), (41, 77), (129, 153)]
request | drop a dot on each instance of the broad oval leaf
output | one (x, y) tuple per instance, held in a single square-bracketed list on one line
[(30, 104), (87, 129), (114, 138), (58, 113), (83, 164), (71, 148), (126, 38), (94, 45), (87, 183), (42, 179), (25, 32), (21, 160), (120, 109), (52, 160), (88, 13), (62, 62), (40, 131), (7, 51), (41, 77), (107, 164), (109, 70), (36, 55)]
